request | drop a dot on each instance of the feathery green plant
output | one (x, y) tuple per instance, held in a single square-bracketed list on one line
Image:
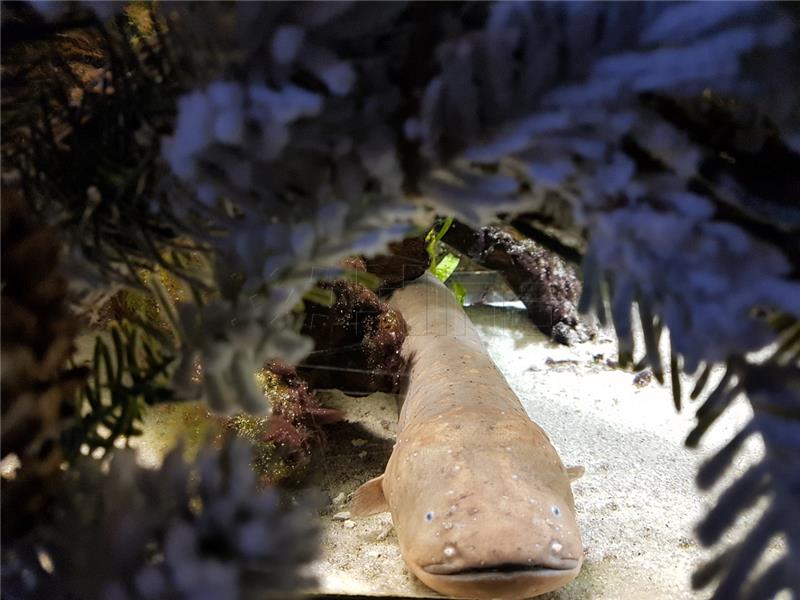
[(128, 374)]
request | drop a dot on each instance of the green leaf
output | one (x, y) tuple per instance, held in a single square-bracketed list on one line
[(119, 389), (434, 237), (167, 306), (109, 366), (94, 399), (369, 280), (445, 267), (459, 292), (319, 296), (119, 351)]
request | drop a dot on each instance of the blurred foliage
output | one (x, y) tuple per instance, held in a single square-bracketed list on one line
[(187, 530), (82, 117), (772, 386)]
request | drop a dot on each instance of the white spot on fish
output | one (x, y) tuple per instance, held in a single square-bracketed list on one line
[(449, 551), (415, 454), (453, 508), (531, 500), (457, 468), (556, 511), (449, 450), (515, 477), (447, 525), (451, 492), (508, 448), (556, 547)]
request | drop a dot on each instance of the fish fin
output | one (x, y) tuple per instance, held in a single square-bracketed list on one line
[(369, 499), (575, 472)]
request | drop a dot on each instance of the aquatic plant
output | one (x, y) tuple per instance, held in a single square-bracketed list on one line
[(279, 138), (284, 442), (445, 265), (192, 531), (108, 409)]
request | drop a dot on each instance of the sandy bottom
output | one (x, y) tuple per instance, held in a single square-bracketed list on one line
[(637, 504)]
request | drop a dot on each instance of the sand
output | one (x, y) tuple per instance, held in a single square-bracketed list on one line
[(637, 503)]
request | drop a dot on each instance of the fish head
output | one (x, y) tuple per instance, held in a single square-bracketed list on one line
[(483, 507)]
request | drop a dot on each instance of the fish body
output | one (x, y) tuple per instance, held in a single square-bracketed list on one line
[(479, 498)]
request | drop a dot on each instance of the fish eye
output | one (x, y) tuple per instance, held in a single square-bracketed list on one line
[(556, 511), (429, 517)]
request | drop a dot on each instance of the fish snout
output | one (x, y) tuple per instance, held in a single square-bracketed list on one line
[(458, 576), (454, 563), (476, 534), (506, 564)]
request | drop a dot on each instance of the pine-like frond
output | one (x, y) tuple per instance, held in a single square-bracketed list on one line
[(128, 374)]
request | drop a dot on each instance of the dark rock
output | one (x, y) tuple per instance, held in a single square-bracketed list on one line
[(357, 342), (407, 260), (543, 281)]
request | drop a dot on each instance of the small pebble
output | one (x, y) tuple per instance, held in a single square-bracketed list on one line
[(384, 533), (358, 442), (362, 454), (341, 516), (558, 362), (642, 379), (349, 524), (339, 499)]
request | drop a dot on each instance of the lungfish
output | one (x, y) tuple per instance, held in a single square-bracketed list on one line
[(479, 498)]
